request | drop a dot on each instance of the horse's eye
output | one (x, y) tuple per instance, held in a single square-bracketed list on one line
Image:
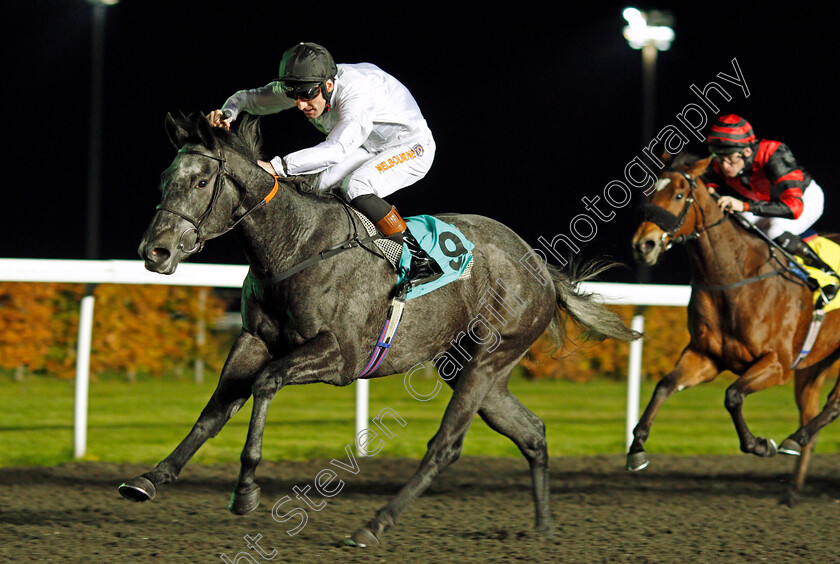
[(202, 183), (679, 196)]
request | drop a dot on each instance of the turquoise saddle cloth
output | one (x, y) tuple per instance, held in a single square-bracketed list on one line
[(444, 243)]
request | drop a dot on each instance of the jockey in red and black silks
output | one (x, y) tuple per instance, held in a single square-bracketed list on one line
[(762, 180), (771, 181)]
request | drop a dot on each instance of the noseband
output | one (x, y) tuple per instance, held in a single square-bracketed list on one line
[(217, 190), (671, 223)]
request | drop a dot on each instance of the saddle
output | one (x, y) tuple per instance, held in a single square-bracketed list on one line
[(444, 243), (825, 249), (829, 252)]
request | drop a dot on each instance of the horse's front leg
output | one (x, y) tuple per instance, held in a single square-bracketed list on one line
[(767, 371), (691, 369), (247, 357), (317, 360)]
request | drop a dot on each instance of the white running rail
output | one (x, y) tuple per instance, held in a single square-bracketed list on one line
[(232, 276)]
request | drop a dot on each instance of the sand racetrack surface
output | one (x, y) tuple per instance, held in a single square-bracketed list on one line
[(679, 509)]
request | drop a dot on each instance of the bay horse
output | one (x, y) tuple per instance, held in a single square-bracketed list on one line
[(321, 323), (747, 314)]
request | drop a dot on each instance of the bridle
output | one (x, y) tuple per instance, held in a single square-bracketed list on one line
[(197, 223), (671, 223)]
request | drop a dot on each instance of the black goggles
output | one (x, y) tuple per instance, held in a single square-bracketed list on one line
[(728, 158), (298, 91)]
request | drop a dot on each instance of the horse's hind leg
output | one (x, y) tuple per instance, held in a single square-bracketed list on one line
[(472, 386), (809, 428), (764, 373), (504, 413), (809, 382), (247, 356)]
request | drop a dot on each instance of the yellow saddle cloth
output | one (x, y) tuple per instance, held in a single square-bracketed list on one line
[(829, 251)]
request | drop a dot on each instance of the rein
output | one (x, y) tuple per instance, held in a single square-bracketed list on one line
[(197, 223), (200, 239), (671, 223), (336, 249)]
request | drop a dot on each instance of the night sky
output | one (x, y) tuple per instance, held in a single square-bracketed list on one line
[(531, 112)]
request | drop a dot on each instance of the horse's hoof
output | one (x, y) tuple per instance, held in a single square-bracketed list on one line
[(637, 461), (363, 538), (770, 448), (242, 503), (790, 447), (547, 532), (138, 489), (790, 499)]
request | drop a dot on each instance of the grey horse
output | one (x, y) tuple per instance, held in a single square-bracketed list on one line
[(320, 323)]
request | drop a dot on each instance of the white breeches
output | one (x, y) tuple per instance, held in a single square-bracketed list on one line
[(383, 173), (813, 200)]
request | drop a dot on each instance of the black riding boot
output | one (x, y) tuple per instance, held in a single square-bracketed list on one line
[(795, 244), (423, 267)]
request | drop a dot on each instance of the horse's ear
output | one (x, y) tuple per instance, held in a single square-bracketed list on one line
[(177, 134), (699, 167), (205, 132), (667, 157)]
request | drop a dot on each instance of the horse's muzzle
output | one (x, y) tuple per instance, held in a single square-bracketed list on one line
[(648, 244), (156, 259), (157, 256)]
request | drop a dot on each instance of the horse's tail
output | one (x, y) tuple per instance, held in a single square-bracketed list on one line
[(597, 320)]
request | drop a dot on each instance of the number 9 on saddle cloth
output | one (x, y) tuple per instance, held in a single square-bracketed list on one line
[(444, 243)]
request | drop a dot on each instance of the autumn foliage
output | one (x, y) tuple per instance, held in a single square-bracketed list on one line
[(151, 329), (31, 320), (137, 328), (581, 360)]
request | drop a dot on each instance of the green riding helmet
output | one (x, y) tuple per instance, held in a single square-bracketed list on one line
[(304, 69)]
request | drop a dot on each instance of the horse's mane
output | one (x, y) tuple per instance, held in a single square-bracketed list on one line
[(244, 138), (680, 161)]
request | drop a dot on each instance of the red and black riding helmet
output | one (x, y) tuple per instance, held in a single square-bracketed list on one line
[(730, 134)]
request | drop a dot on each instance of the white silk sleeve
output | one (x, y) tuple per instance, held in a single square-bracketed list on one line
[(268, 99), (348, 136)]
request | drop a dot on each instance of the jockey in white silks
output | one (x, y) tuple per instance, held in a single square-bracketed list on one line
[(377, 139)]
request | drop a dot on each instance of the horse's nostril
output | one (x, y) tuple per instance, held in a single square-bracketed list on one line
[(158, 254), (644, 247)]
